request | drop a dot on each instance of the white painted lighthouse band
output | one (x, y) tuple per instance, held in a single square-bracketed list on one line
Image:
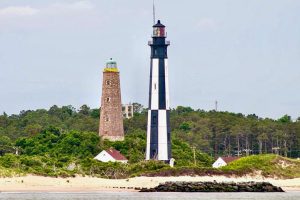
[(158, 130)]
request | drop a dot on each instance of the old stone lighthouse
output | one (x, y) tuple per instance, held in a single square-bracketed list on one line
[(111, 118)]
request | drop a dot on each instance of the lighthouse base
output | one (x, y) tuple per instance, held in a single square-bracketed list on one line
[(113, 138)]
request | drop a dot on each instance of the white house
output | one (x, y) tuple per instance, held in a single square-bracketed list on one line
[(223, 161), (111, 155)]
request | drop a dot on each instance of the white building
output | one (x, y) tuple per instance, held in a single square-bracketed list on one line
[(111, 155), (127, 110), (223, 161)]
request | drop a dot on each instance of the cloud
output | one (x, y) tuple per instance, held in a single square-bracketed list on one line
[(18, 11), (207, 24), (52, 15), (64, 8), (69, 7)]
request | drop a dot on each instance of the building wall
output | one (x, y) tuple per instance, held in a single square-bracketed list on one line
[(104, 157), (219, 163), (111, 118), (127, 111)]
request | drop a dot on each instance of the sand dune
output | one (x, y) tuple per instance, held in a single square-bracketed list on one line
[(87, 184)]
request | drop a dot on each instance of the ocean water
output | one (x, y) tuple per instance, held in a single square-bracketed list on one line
[(156, 196)]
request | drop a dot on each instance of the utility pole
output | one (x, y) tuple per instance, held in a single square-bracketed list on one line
[(216, 106), (194, 150)]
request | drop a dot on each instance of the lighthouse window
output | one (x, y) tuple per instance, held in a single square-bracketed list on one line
[(107, 99), (106, 119), (156, 32), (108, 82), (154, 120), (154, 86)]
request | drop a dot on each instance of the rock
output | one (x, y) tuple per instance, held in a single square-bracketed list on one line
[(214, 187)]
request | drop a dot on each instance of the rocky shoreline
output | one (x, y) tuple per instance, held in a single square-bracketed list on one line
[(214, 187)]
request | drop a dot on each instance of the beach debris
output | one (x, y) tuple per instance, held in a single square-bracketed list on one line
[(71, 167)]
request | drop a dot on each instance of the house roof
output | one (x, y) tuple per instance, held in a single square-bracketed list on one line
[(115, 154), (229, 159)]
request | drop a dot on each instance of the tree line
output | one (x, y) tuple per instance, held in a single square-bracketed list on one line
[(215, 133)]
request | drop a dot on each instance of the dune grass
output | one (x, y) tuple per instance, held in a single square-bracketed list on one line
[(6, 172), (269, 165)]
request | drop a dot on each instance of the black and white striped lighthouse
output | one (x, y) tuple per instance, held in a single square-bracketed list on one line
[(158, 130)]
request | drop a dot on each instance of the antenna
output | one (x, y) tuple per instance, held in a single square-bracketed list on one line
[(216, 106), (153, 12)]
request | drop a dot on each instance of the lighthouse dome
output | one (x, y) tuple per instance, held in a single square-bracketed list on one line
[(111, 63), (158, 24), (111, 66)]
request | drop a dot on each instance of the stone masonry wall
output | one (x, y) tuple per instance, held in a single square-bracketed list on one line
[(111, 118)]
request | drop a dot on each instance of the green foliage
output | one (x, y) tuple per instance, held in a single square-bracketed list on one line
[(285, 119), (182, 110), (50, 153), (269, 165), (142, 167), (93, 167), (184, 155), (50, 141), (95, 113), (84, 110), (54, 143), (186, 126), (133, 147), (216, 133), (137, 108), (139, 121), (7, 172), (5, 145), (9, 161)]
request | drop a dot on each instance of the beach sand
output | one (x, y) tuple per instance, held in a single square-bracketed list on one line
[(32, 183)]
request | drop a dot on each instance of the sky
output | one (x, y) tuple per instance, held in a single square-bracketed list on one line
[(243, 54)]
